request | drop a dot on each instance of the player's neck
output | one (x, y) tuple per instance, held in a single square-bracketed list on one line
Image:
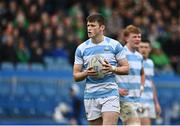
[(98, 39), (130, 48), (144, 58)]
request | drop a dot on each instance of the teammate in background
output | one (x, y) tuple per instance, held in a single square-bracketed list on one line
[(101, 96), (149, 97), (131, 86)]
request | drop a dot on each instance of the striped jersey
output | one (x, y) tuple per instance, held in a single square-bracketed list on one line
[(132, 81), (109, 49), (147, 95)]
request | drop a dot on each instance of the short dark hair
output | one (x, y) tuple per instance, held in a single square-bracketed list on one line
[(146, 41), (96, 17)]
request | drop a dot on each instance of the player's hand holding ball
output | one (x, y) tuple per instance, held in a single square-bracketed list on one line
[(95, 68), (91, 72), (107, 67)]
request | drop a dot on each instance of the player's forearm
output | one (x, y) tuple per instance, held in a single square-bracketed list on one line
[(142, 78), (154, 94), (142, 81), (155, 97), (121, 70), (79, 76), (156, 100)]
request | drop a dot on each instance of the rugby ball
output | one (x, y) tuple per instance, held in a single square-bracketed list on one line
[(96, 63)]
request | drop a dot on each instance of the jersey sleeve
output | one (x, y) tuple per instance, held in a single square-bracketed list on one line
[(120, 52), (78, 57)]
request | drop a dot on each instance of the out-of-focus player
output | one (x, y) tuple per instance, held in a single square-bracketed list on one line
[(131, 86), (149, 98)]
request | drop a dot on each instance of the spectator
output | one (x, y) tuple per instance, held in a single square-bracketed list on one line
[(160, 59), (71, 46), (7, 51), (171, 48), (114, 24), (59, 51), (22, 52), (48, 21), (36, 52), (47, 49)]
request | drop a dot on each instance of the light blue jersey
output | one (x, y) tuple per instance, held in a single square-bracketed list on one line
[(147, 96), (132, 81), (112, 51)]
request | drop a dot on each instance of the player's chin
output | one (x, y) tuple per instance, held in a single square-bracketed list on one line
[(90, 35), (136, 46)]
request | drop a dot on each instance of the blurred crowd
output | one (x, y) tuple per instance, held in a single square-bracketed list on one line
[(33, 29)]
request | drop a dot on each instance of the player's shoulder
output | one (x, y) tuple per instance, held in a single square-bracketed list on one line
[(84, 44), (112, 41), (116, 45), (139, 54), (149, 61)]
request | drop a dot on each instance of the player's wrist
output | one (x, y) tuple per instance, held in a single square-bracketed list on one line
[(142, 88), (85, 73), (114, 69)]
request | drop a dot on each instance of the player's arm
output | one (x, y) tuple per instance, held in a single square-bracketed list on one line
[(155, 98), (80, 74), (142, 78), (121, 69), (123, 65), (142, 81)]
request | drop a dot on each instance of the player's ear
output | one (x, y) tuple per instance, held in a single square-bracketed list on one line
[(102, 27), (125, 39)]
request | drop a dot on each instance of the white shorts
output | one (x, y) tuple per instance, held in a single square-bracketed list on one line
[(95, 107), (149, 111), (128, 110)]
